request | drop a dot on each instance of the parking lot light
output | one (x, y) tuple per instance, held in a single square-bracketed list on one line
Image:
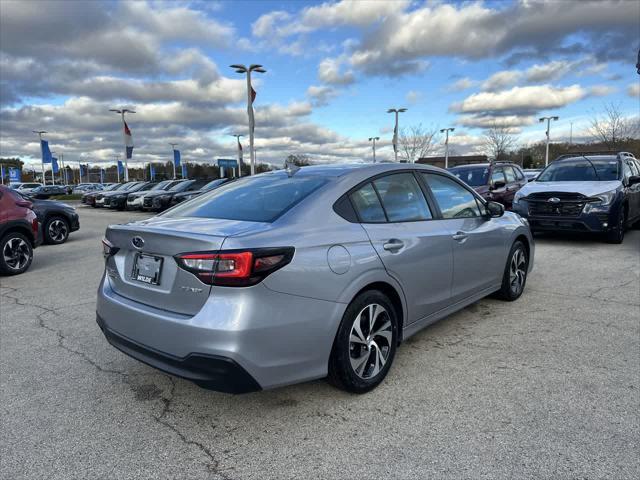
[(548, 119)]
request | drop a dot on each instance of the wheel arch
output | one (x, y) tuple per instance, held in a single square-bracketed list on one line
[(23, 229), (397, 300)]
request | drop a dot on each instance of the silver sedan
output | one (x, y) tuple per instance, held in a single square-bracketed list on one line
[(300, 274)]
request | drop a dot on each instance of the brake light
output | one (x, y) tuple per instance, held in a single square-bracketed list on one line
[(235, 268), (108, 249), (35, 227)]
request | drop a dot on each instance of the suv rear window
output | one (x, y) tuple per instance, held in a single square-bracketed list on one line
[(254, 199)]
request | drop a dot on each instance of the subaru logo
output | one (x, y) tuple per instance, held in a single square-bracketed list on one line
[(554, 200), (137, 242)]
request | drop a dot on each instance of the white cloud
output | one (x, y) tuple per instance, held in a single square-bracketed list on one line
[(462, 84), (320, 95), (500, 80), (548, 71), (329, 71), (633, 90), (509, 121), (413, 97), (602, 90)]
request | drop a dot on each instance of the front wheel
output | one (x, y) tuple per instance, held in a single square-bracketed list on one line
[(616, 235), (365, 344), (514, 278), (16, 254), (56, 230)]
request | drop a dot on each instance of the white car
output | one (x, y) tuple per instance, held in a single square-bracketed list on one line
[(24, 187)]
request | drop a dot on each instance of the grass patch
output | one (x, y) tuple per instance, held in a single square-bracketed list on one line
[(75, 196)]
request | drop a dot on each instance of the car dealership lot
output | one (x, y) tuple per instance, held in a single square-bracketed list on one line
[(546, 386)]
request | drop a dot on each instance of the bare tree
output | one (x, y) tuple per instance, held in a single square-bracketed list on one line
[(498, 140), (416, 142), (613, 128), (300, 160)]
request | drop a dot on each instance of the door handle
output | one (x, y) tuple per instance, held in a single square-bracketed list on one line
[(460, 236), (393, 245)]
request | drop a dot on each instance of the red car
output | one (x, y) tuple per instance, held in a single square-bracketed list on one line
[(18, 232)]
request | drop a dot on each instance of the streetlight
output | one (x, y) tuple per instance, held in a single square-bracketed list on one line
[(122, 111), (446, 144), (239, 153), (548, 119), (374, 139), (39, 133), (395, 129), (250, 97), (173, 149)]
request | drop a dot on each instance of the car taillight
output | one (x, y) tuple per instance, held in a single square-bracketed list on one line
[(235, 268), (108, 249), (34, 227)]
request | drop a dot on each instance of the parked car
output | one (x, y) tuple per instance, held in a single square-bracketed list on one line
[(46, 191), (301, 273), (118, 199), (25, 187), (19, 230), (135, 200), (57, 219), (87, 187), (101, 197), (531, 173), (584, 193), (161, 200), (189, 194), (89, 198), (496, 181)]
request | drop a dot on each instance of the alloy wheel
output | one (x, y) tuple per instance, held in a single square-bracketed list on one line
[(58, 230), (518, 271), (370, 341), (16, 253)]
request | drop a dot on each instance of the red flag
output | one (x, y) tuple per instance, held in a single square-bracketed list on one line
[(253, 95)]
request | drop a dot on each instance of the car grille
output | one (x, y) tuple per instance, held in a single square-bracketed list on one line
[(107, 201), (568, 204), (147, 202)]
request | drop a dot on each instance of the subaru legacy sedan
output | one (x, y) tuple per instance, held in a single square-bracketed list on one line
[(305, 273)]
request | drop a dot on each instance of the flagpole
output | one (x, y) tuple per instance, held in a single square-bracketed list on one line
[(395, 129), (122, 111), (239, 153)]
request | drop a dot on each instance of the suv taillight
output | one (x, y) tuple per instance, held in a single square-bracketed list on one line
[(235, 268)]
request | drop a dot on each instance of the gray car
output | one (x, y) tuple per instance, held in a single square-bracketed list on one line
[(305, 273)]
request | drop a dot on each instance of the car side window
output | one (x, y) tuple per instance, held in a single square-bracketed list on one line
[(454, 200), (511, 177), (626, 170), (367, 205), (497, 176), (519, 174), (402, 198)]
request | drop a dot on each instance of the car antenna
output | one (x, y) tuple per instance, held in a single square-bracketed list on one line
[(592, 165), (291, 168)]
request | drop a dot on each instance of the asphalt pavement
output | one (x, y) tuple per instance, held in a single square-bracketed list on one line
[(544, 387)]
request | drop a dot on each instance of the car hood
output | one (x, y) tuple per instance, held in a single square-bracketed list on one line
[(157, 193), (588, 189)]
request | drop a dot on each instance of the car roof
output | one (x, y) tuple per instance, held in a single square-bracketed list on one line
[(340, 170), (590, 157)]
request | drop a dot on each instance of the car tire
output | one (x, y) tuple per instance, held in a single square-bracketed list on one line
[(16, 254), (616, 234), (360, 361), (514, 278), (56, 230)]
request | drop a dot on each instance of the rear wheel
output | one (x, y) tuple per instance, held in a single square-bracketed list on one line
[(365, 344), (616, 235), (16, 254), (514, 278), (56, 230)]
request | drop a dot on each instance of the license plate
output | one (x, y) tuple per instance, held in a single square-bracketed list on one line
[(147, 268)]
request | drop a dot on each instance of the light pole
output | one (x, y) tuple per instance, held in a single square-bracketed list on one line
[(395, 129), (39, 133), (251, 94), (173, 149), (239, 153), (374, 139), (446, 144), (571, 135), (548, 119), (122, 111)]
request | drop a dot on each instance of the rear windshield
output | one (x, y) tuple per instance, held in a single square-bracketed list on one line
[(253, 199), (581, 170), (472, 176)]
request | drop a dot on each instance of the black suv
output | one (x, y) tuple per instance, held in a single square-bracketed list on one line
[(57, 219), (584, 192)]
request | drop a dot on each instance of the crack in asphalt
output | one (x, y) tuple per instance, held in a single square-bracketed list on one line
[(213, 465)]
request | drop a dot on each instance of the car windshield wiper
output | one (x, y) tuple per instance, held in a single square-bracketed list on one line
[(592, 166)]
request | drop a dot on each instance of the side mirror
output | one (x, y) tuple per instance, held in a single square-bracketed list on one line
[(634, 179), (495, 209), (498, 185)]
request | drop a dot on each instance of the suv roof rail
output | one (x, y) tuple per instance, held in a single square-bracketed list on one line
[(579, 154), (625, 155)]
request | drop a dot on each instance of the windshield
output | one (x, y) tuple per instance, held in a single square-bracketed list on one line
[(581, 170), (215, 183), (254, 199), (472, 176), (178, 187), (162, 185), (129, 186)]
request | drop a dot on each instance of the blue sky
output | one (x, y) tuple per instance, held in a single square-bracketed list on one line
[(333, 69)]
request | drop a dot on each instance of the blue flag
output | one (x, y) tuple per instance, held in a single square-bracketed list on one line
[(102, 175), (152, 172), (184, 170), (83, 170), (2, 174), (46, 153), (120, 167), (176, 158), (54, 165)]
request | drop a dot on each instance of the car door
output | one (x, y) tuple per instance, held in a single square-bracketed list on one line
[(413, 248), (478, 242), (632, 191), (512, 186)]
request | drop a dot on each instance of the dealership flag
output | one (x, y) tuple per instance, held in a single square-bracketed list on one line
[(46, 153), (54, 165), (128, 141), (184, 170), (239, 150), (2, 174), (395, 137), (152, 172), (120, 167), (252, 122), (102, 175), (176, 158)]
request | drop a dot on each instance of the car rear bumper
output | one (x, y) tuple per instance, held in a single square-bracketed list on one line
[(74, 222), (275, 338)]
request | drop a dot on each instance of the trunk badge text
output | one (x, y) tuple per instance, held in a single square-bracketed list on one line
[(191, 289), (137, 242)]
